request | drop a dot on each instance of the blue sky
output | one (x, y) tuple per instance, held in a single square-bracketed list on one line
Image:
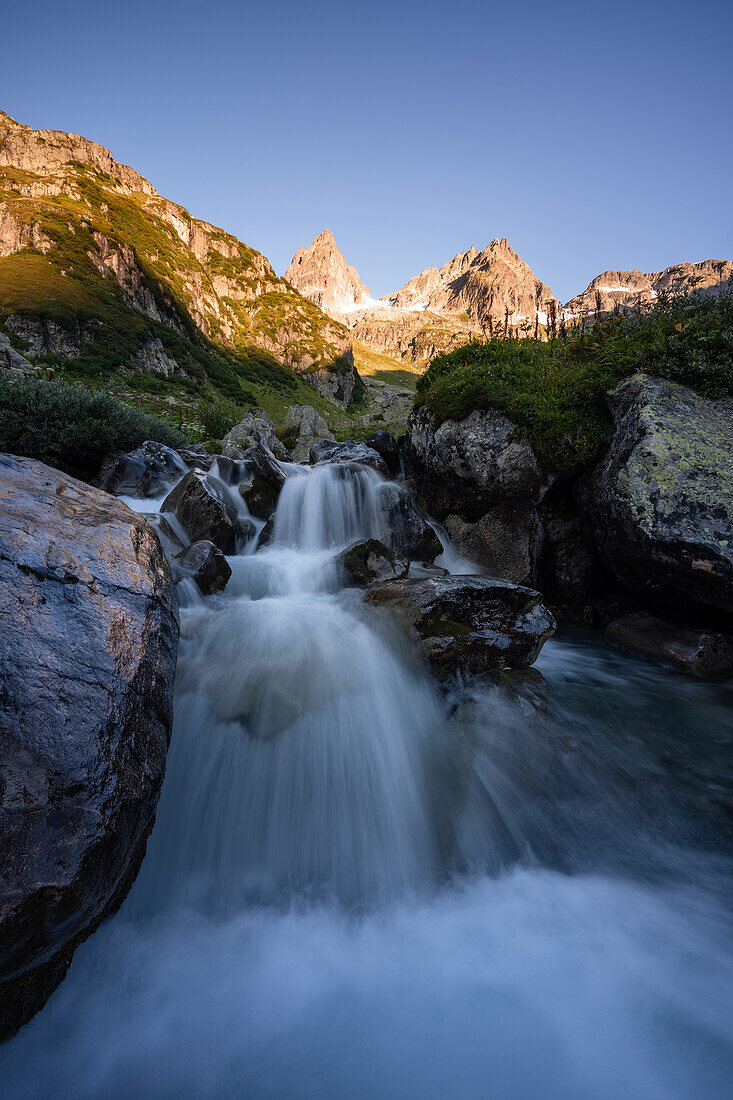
[(592, 136)]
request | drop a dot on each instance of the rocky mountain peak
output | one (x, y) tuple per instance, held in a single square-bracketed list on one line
[(321, 273)]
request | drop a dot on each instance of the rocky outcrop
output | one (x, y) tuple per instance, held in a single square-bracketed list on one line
[(705, 653), (338, 382), (206, 565), (146, 472), (661, 502), (320, 272), (90, 631), (202, 514), (260, 480), (309, 426), (254, 426), (506, 542), (370, 561), (468, 466), (12, 360), (468, 624), (324, 451), (621, 290)]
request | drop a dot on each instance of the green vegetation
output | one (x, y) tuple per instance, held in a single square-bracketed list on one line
[(554, 390), (72, 427)]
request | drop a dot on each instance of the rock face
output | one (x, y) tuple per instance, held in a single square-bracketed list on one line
[(469, 623), (324, 451), (468, 466), (704, 653), (146, 472), (90, 632), (661, 501), (320, 272), (201, 513), (310, 426), (204, 563), (402, 527), (506, 542), (622, 289), (369, 561), (387, 447), (254, 426), (339, 382)]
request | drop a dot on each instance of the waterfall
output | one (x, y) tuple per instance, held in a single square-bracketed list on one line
[(358, 885)]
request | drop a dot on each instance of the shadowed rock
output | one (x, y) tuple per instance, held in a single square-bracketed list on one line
[(369, 561), (204, 563), (90, 631)]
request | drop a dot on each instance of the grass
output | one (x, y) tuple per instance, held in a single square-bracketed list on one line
[(555, 390)]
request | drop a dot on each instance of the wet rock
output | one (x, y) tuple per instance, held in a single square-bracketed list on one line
[(201, 513), (204, 563), (90, 632), (265, 536), (309, 426), (146, 472), (661, 501), (401, 526), (255, 425), (704, 653), (369, 561), (469, 623), (196, 458), (263, 480), (324, 451), (386, 446), (468, 466), (506, 542)]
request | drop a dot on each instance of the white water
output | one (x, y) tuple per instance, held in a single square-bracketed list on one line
[(353, 891)]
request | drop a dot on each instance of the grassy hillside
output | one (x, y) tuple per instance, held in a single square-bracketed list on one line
[(554, 390), (121, 289)]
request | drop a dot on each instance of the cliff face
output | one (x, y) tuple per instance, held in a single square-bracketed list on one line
[(87, 246)]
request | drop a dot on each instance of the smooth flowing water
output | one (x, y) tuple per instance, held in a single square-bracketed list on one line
[(359, 887)]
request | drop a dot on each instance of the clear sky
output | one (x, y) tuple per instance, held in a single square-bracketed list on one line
[(593, 136)]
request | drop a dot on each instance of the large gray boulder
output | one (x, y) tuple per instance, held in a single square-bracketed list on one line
[(310, 426), (324, 451), (469, 624), (255, 425), (146, 472), (506, 542), (468, 466), (202, 513), (401, 526), (661, 501), (205, 564), (364, 562), (90, 630)]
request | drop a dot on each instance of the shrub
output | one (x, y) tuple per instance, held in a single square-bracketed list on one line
[(72, 427), (218, 418)]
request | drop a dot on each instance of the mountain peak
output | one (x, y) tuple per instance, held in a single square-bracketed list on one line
[(320, 272)]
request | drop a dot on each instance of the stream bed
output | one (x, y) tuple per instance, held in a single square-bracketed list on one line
[(359, 886)]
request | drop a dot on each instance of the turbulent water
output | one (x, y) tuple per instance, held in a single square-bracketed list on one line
[(357, 887)]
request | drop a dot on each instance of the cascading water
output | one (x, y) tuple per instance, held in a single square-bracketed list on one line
[(359, 887)]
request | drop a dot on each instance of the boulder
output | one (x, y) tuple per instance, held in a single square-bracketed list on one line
[(325, 451), (90, 633), (470, 624), (204, 563), (255, 425), (705, 653), (506, 542), (310, 426), (146, 472), (201, 513), (387, 447), (661, 501), (402, 527), (468, 466), (263, 480), (338, 382), (369, 561)]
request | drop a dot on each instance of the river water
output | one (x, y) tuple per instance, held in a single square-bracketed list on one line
[(358, 887)]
